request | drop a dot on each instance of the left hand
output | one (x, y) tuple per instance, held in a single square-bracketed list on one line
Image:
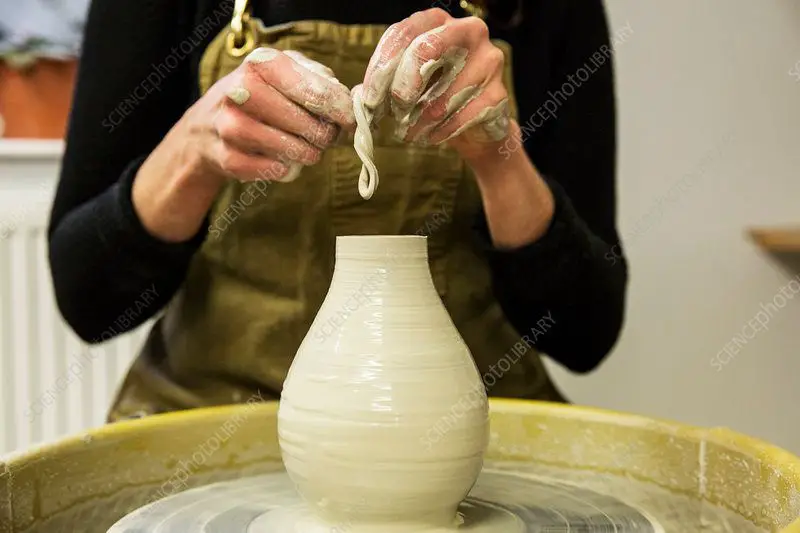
[(465, 104)]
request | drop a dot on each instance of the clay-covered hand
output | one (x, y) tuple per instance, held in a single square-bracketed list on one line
[(265, 120), (277, 107), (443, 79)]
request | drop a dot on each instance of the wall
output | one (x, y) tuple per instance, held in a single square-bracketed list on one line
[(709, 144)]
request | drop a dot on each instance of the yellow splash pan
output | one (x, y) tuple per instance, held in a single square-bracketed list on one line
[(89, 481)]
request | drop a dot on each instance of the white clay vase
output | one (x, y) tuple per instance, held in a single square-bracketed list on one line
[(383, 417)]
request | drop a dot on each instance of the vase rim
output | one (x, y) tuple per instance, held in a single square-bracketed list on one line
[(372, 245), (366, 237)]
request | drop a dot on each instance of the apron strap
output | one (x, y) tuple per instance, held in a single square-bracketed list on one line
[(241, 39), (473, 8)]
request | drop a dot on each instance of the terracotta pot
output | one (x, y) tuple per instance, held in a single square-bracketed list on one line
[(35, 100)]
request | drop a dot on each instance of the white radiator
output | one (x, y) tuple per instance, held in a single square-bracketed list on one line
[(51, 383)]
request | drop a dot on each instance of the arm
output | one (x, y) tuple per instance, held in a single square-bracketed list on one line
[(549, 228), (120, 247), (109, 273), (553, 225)]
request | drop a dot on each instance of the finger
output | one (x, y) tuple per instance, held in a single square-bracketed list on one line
[(393, 43), (484, 119), (446, 97), (265, 104), (240, 130), (445, 50), (316, 93), (246, 167), (310, 64)]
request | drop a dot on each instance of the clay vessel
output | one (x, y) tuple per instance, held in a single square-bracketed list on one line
[(35, 101), (383, 416)]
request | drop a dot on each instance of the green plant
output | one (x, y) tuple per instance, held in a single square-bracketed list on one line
[(26, 55)]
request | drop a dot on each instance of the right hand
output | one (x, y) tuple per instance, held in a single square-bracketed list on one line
[(265, 120)]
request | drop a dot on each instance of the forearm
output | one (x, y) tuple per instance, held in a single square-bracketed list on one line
[(562, 268), (172, 192), (109, 274), (546, 262), (565, 276), (517, 202)]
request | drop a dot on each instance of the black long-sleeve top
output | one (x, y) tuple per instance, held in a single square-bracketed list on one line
[(102, 258)]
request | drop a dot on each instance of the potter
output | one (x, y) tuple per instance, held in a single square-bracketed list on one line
[(237, 300)]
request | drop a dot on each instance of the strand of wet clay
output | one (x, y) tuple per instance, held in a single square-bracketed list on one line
[(362, 142)]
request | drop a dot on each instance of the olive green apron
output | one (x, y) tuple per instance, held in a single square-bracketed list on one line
[(254, 287)]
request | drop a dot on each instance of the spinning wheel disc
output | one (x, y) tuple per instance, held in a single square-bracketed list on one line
[(501, 501)]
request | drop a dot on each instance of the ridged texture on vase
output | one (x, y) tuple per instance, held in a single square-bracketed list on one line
[(380, 368)]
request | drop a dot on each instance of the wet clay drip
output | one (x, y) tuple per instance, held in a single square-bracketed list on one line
[(362, 142)]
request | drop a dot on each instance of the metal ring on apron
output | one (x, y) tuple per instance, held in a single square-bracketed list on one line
[(240, 40)]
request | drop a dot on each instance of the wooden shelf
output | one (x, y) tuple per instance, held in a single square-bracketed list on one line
[(781, 240)]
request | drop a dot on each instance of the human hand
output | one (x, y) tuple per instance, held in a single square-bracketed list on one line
[(444, 78), (274, 114), (278, 110)]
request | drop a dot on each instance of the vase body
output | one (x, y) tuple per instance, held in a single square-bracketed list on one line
[(380, 372)]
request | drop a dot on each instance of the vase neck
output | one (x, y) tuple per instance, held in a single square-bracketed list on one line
[(400, 249)]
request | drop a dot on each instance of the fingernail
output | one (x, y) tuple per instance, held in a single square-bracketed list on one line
[(238, 95), (368, 95), (262, 55), (291, 175), (400, 111), (400, 132), (373, 98)]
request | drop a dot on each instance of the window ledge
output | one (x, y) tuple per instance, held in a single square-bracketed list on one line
[(31, 149)]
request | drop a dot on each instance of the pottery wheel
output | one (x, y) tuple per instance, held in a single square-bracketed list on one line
[(500, 502)]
